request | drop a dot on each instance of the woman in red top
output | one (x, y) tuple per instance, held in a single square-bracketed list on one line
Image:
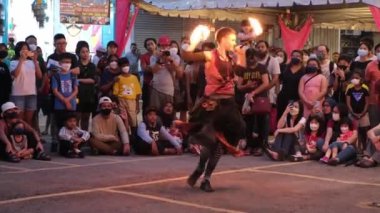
[(216, 118)]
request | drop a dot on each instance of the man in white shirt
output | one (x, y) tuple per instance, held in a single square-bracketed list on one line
[(327, 66), (133, 58)]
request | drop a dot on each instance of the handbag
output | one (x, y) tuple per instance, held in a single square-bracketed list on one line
[(261, 105)]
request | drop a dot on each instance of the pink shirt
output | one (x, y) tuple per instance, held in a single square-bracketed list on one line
[(372, 74)]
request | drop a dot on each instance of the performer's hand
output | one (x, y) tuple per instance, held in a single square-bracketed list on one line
[(238, 154)]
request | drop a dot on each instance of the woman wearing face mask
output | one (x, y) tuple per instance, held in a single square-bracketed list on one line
[(282, 59), (333, 132), (109, 76), (372, 75), (25, 69), (86, 89), (364, 58), (290, 79), (288, 133), (312, 86), (339, 78)]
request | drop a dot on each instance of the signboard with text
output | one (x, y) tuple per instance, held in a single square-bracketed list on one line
[(95, 12)]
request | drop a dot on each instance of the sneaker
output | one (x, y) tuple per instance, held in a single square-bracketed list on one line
[(296, 158), (192, 179), (324, 159), (206, 186)]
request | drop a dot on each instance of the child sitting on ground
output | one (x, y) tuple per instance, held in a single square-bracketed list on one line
[(346, 132), (71, 138), (20, 141)]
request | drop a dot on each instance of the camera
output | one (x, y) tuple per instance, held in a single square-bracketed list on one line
[(166, 53)]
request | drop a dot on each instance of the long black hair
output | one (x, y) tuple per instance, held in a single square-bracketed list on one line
[(320, 120), (299, 116)]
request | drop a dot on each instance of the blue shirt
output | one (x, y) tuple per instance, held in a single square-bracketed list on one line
[(66, 89)]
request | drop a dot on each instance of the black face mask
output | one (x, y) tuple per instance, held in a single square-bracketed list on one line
[(311, 70), (3, 54), (11, 115), (295, 61), (18, 131), (342, 67), (105, 111)]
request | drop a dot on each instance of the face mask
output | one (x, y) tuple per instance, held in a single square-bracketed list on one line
[(378, 56), (32, 47), (113, 65), (342, 67), (280, 59), (294, 111), (309, 70), (313, 55), (11, 115), (320, 56), (66, 66), (335, 116), (18, 131), (125, 69), (173, 51), (314, 127), (362, 52), (105, 112), (344, 129), (295, 61), (355, 81)]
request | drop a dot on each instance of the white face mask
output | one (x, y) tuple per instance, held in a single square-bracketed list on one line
[(362, 52), (314, 126), (280, 59), (335, 116), (344, 129), (66, 66), (173, 51), (378, 56), (113, 65), (125, 69), (355, 81), (294, 111), (313, 55), (32, 47)]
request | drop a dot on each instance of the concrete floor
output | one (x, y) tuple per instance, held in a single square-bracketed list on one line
[(158, 184)]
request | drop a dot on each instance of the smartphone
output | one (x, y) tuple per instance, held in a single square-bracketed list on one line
[(166, 53), (291, 102)]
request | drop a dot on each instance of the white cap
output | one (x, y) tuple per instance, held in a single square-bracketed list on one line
[(7, 106), (101, 49), (105, 99)]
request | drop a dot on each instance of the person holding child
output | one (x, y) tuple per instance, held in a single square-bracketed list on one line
[(20, 141)]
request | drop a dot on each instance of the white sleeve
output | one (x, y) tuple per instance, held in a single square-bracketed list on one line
[(85, 135), (13, 64), (64, 134), (177, 60), (275, 68), (302, 121), (153, 60), (167, 136), (143, 133)]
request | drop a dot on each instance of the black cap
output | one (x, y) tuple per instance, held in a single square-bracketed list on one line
[(112, 43), (150, 109)]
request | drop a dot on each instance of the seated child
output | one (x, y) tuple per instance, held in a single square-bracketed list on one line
[(346, 133), (20, 141), (71, 138)]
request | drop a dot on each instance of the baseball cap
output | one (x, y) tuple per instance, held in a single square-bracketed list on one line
[(101, 49), (105, 99), (112, 43), (7, 106), (164, 40)]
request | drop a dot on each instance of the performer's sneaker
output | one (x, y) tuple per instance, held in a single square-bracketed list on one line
[(206, 186), (192, 179)]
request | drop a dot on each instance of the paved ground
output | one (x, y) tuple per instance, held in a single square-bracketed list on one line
[(157, 184)]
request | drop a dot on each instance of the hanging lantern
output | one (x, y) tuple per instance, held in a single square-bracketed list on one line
[(38, 8)]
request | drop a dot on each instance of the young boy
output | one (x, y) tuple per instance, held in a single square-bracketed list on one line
[(71, 138), (128, 90), (20, 141), (153, 138), (357, 100)]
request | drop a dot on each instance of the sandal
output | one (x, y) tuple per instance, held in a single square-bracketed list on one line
[(12, 158), (42, 156), (280, 154), (296, 158)]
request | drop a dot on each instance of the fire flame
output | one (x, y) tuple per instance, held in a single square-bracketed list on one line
[(200, 33), (256, 26)]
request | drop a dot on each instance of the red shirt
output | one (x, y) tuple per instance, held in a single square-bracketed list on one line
[(372, 74), (148, 76)]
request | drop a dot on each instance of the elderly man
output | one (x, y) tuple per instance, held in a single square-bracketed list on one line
[(10, 116), (108, 130)]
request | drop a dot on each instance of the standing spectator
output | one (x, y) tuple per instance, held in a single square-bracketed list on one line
[(60, 48), (166, 68), (104, 62), (290, 79), (327, 66), (65, 89), (335, 57), (180, 99), (10, 114), (370, 42), (86, 89), (100, 52), (191, 78), (372, 75), (25, 69), (4, 54), (133, 58), (357, 102), (364, 54), (150, 45), (153, 138), (5, 80), (128, 90), (109, 76), (109, 134), (339, 78), (282, 59), (312, 87), (72, 138)]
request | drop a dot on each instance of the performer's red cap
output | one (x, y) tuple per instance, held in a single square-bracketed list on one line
[(164, 40)]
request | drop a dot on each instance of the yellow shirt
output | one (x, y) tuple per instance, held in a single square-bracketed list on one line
[(127, 87)]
